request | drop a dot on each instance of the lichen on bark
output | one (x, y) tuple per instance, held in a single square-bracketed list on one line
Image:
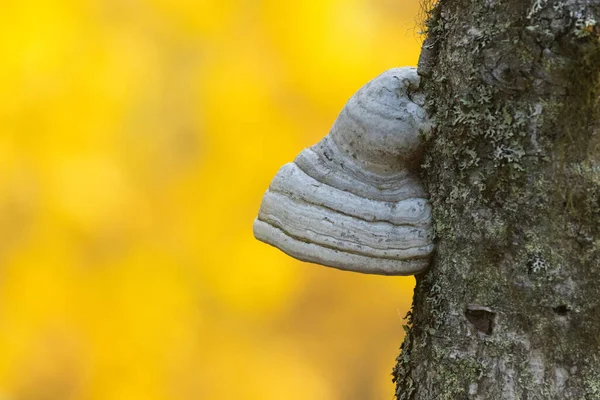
[(509, 307)]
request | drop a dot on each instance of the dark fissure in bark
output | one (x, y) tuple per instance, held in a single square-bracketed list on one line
[(510, 308)]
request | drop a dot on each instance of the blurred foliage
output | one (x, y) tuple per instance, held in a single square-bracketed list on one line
[(137, 138)]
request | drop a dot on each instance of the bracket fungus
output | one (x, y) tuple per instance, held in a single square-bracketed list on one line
[(353, 201)]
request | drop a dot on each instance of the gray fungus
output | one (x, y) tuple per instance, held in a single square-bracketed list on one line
[(353, 201)]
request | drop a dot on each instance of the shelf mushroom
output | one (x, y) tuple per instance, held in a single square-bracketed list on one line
[(353, 201)]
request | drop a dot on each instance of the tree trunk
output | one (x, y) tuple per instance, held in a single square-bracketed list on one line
[(510, 307)]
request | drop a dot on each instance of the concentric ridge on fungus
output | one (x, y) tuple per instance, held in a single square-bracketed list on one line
[(353, 200)]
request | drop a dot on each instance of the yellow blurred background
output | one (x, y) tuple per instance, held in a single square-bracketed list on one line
[(137, 138)]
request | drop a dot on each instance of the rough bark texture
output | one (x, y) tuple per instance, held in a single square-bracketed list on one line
[(510, 308)]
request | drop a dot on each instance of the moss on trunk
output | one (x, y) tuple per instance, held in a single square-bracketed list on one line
[(510, 308)]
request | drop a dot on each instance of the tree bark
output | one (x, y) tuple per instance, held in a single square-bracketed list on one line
[(510, 307)]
